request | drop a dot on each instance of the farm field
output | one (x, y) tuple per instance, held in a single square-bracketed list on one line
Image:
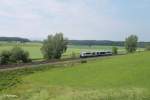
[(33, 48), (123, 77), (35, 52)]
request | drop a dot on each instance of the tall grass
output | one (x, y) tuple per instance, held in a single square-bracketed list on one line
[(65, 93)]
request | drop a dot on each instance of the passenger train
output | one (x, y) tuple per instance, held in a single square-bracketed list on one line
[(95, 54)]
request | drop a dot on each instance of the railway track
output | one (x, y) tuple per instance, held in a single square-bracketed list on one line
[(33, 63), (50, 62)]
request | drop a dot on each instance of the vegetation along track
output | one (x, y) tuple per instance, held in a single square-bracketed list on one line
[(52, 62)]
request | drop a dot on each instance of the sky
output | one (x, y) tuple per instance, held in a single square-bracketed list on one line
[(77, 19)]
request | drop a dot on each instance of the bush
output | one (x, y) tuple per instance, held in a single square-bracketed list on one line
[(148, 48), (115, 50), (19, 55), (73, 55), (5, 57), (83, 61), (25, 57), (16, 55)]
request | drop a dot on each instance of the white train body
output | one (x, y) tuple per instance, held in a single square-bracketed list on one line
[(95, 54)]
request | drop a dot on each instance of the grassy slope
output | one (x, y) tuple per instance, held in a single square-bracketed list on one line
[(117, 78), (123, 71)]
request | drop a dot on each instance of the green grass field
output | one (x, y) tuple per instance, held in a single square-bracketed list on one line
[(35, 52), (35, 49), (123, 77)]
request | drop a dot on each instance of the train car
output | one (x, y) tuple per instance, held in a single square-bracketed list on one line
[(95, 54), (86, 54)]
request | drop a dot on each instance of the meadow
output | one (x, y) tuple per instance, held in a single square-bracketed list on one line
[(124, 77), (32, 48), (35, 49)]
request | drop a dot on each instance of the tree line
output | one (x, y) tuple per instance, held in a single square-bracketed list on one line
[(104, 43), (77, 42), (10, 39)]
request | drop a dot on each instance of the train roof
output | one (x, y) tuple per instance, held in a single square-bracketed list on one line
[(94, 51)]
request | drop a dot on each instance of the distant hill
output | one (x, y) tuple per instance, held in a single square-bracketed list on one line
[(10, 39), (96, 42), (103, 42), (77, 42)]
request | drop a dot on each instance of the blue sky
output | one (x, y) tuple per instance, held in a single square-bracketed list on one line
[(77, 19)]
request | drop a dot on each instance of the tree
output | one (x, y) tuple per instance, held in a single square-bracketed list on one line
[(54, 46), (114, 50), (131, 43)]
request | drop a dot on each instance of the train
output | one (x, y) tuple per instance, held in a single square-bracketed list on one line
[(95, 54)]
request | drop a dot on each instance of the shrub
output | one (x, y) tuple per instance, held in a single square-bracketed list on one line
[(115, 50), (16, 55), (19, 55), (25, 57), (5, 57), (83, 61), (148, 48), (73, 55)]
